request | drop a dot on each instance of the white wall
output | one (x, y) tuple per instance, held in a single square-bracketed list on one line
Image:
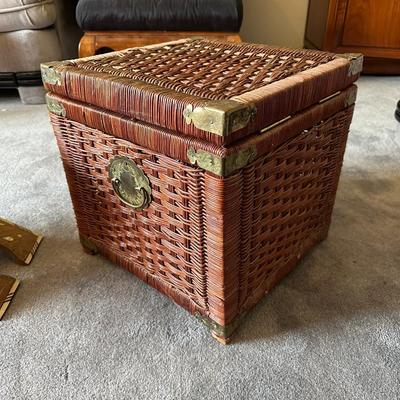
[(277, 22)]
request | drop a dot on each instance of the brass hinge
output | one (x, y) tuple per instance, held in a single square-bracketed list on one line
[(220, 117), (356, 62), (55, 107), (222, 166)]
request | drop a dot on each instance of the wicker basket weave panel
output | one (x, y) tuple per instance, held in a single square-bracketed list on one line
[(273, 212), (288, 208), (166, 239), (208, 69), (178, 146)]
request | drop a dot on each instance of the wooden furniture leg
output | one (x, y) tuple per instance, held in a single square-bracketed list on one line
[(99, 42)]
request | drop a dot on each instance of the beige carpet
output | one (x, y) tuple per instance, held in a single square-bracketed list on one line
[(81, 328)]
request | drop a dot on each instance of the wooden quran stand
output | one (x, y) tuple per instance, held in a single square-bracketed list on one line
[(18, 241), (22, 244)]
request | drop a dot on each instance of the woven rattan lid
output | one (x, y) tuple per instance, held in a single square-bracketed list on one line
[(212, 90)]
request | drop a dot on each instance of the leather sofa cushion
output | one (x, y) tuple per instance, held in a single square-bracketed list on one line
[(173, 15), (26, 14), (41, 44)]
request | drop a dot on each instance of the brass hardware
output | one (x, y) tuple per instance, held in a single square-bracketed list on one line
[(220, 117), (351, 96), (55, 107), (88, 245), (221, 331), (18, 241), (50, 74), (356, 62), (208, 161), (130, 183), (239, 160), (222, 166)]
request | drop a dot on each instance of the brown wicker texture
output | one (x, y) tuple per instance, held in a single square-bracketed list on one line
[(230, 215), (215, 245), (156, 84), (211, 70), (176, 146), (165, 240)]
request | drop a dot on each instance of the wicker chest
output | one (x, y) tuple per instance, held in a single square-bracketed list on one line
[(207, 169)]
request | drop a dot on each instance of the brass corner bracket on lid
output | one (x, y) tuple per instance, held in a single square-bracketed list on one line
[(220, 117), (356, 62), (50, 74)]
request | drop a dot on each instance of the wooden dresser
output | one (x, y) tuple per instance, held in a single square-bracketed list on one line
[(370, 27)]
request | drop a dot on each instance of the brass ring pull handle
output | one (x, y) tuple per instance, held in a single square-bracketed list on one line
[(130, 183)]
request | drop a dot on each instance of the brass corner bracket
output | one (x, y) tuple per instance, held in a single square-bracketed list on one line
[(351, 96), (220, 117), (50, 74), (222, 166), (220, 332), (88, 246), (356, 62), (55, 107)]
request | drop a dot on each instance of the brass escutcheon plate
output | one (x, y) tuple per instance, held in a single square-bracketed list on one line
[(130, 183)]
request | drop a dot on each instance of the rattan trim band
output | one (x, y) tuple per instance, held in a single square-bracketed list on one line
[(221, 161)]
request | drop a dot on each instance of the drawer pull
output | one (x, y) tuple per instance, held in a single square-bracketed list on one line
[(130, 183)]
